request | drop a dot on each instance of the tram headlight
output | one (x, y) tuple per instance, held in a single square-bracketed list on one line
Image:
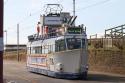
[(59, 67), (87, 67)]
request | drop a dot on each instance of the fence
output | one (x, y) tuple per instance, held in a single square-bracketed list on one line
[(107, 43)]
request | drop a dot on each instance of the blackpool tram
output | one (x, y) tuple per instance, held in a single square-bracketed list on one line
[(59, 48)]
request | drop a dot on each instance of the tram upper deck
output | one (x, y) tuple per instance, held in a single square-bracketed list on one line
[(77, 32)]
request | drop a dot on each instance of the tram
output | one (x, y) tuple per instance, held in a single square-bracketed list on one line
[(59, 49)]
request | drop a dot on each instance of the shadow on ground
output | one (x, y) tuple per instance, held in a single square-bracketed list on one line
[(105, 78)]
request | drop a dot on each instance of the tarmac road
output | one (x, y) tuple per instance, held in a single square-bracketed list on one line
[(16, 72)]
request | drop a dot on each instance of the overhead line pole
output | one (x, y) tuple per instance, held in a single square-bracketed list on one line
[(1, 41), (18, 42)]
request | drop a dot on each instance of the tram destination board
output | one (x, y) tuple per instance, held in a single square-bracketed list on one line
[(74, 30)]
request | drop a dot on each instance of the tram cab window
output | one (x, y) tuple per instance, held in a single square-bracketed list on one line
[(60, 45), (73, 43)]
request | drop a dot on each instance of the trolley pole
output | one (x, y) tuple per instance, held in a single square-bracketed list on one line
[(18, 42), (1, 41), (74, 11)]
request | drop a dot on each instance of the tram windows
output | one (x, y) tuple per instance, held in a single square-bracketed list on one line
[(32, 50), (49, 48), (36, 50), (45, 50), (60, 45), (52, 48), (41, 49), (75, 43), (56, 46)]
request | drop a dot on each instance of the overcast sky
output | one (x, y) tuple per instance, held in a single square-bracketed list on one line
[(97, 15)]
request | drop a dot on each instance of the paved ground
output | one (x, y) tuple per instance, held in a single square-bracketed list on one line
[(14, 71)]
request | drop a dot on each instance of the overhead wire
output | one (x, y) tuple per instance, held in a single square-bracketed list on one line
[(58, 1), (95, 4), (22, 21)]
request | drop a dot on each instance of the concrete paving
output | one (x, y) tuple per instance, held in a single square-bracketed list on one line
[(16, 72)]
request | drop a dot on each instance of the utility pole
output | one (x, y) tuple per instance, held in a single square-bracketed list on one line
[(1, 41), (74, 10), (18, 42)]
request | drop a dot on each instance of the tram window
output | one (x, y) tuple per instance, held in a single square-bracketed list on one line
[(32, 50), (53, 48), (37, 50), (43, 50), (60, 45), (46, 49), (75, 43)]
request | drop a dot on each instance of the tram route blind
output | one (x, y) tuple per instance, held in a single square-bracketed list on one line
[(74, 30)]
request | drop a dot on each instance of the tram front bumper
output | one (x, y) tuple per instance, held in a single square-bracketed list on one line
[(71, 75)]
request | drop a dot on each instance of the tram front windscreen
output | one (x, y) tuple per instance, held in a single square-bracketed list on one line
[(75, 43)]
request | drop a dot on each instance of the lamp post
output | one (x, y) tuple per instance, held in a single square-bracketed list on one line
[(18, 42)]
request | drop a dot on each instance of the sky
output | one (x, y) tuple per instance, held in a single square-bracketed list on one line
[(96, 15)]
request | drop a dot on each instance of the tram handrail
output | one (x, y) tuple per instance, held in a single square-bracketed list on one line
[(51, 34)]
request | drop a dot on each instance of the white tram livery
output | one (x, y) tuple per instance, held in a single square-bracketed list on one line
[(59, 49)]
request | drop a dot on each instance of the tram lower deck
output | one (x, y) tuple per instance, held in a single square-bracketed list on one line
[(58, 57)]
